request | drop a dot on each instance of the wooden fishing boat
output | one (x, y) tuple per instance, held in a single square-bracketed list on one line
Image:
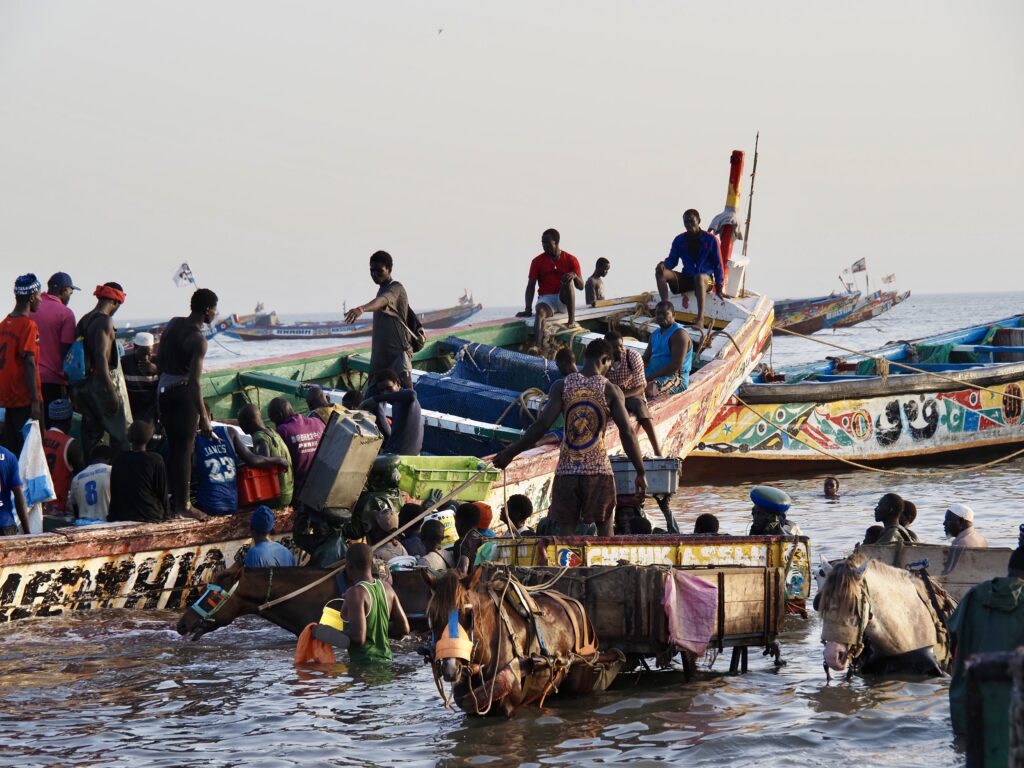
[(727, 356), (812, 315), (957, 569), (121, 565), (127, 334), (268, 328), (872, 306), (964, 395)]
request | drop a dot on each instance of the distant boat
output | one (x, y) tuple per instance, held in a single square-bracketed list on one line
[(266, 327), (127, 334), (814, 314), (872, 306)]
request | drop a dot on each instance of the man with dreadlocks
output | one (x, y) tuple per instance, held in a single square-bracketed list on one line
[(699, 257), (21, 393), (98, 397)]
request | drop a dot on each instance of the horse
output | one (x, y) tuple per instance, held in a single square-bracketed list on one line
[(883, 620), (502, 646), (240, 591)]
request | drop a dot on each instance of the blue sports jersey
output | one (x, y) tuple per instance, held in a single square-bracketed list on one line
[(216, 467), (10, 478)]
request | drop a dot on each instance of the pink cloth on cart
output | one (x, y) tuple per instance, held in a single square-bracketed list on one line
[(690, 604)]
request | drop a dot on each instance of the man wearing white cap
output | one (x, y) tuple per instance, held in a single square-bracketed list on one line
[(140, 377), (959, 525)]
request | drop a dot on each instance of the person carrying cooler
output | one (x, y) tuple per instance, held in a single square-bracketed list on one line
[(216, 465)]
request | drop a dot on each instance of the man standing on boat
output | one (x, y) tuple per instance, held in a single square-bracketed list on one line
[(699, 257), (179, 394), (390, 345), (584, 487), (98, 397), (557, 275), (21, 392), (12, 496), (56, 335), (266, 442)]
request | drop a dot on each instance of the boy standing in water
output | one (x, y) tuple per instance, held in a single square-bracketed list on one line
[(370, 607)]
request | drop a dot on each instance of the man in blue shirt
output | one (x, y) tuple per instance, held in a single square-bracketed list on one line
[(12, 498), (698, 253), (265, 553)]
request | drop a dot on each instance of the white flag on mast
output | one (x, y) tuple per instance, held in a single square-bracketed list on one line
[(889, 279), (184, 275)]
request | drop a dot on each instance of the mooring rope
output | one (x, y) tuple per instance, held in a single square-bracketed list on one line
[(887, 362)]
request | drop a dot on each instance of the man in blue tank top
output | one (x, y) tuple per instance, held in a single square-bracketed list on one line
[(216, 466), (669, 354)]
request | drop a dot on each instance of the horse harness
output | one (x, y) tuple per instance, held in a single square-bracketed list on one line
[(519, 598), (215, 597)]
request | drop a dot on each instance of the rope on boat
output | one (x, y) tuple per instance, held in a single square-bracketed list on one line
[(878, 361), (457, 490), (859, 465), (521, 402)]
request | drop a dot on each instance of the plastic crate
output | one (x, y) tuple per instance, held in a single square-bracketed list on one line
[(422, 474), (256, 484), (662, 475)]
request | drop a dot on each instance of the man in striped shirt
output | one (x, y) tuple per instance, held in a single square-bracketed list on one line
[(627, 372)]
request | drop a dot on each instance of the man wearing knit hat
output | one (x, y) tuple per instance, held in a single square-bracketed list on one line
[(265, 553), (97, 398), (56, 324), (959, 525), (21, 393), (141, 376), (63, 453)]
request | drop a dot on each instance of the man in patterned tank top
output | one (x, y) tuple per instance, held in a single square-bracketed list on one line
[(584, 488)]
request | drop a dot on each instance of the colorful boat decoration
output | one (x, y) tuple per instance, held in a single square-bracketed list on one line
[(121, 565), (872, 306), (967, 396), (266, 327), (812, 315)]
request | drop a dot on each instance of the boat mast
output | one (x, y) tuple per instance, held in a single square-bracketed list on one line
[(750, 196)]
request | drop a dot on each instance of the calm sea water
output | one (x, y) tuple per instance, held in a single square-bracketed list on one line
[(121, 688)]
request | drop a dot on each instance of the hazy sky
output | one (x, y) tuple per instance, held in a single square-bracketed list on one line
[(274, 146)]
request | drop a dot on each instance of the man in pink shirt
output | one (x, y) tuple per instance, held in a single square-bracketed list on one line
[(56, 334)]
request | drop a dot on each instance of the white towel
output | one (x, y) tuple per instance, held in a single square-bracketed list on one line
[(35, 475)]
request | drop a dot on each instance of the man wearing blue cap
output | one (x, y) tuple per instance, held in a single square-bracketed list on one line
[(20, 391), (265, 553), (56, 324)]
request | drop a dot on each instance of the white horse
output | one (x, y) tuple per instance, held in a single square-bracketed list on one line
[(883, 619)]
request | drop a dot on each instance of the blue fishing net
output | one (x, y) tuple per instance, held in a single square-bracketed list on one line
[(501, 368), (472, 400)]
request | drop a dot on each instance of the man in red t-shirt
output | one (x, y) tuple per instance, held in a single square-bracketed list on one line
[(555, 276), (20, 389)]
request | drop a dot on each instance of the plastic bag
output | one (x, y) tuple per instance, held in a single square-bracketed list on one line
[(35, 475)]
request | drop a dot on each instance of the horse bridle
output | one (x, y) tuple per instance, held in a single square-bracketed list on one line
[(216, 597)]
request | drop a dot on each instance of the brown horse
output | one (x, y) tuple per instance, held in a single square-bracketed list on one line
[(883, 620), (501, 646), (240, 591)]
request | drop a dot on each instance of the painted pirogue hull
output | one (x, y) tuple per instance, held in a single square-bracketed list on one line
[(679, 419), (956, 569), (121, 565), (440, 318), (875, 305), (866, 419), (813, 315)]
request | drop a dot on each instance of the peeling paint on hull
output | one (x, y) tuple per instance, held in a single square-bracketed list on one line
[(121, 565)]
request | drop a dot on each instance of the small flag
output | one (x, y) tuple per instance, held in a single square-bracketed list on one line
[(184, 275), (860, 265), (889, 279), (846, 273)]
